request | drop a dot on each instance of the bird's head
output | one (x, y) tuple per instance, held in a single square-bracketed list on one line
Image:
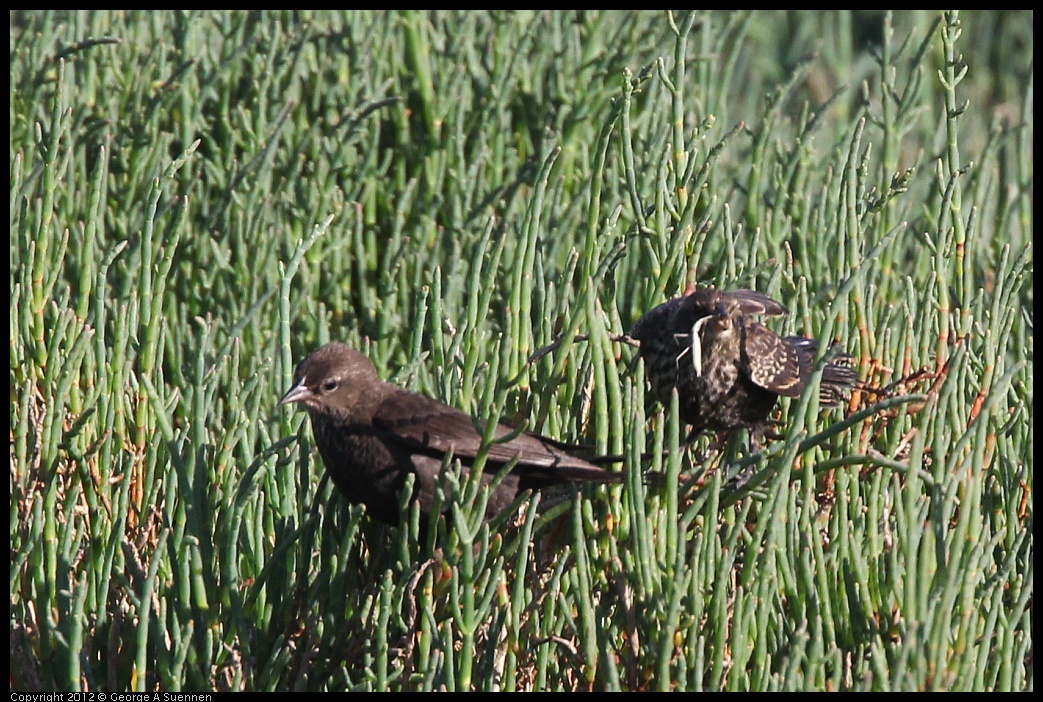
[(713, 330), (334, 380), (717, 323)]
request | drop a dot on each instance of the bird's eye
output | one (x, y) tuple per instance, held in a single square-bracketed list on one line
[(329, 385)]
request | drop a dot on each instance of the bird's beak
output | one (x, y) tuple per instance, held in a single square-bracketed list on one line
[(297, 393)]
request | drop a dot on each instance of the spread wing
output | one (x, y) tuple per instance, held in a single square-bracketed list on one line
[(753, 302), (773, 363), (429, 426), (838, 375)]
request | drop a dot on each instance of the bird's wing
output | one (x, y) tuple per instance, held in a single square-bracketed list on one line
[(427, 425), (773, 363), (838, 375), (753, 302)]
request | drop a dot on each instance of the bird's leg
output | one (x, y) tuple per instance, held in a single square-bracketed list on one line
[(767, 433), (743, 477), (698, 457), (690, 439)]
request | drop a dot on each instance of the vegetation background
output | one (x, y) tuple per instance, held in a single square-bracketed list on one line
[(200, 198)]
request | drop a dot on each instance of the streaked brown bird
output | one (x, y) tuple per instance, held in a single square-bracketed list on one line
[(728, 369), (372, 434)]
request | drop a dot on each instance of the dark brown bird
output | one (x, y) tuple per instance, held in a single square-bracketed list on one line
[(728, 369), (372, 434)]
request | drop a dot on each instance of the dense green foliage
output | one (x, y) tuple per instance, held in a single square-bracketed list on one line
[(200, 198)]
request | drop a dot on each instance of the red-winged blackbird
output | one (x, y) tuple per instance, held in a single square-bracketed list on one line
[(372, 434), (727, 368)]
